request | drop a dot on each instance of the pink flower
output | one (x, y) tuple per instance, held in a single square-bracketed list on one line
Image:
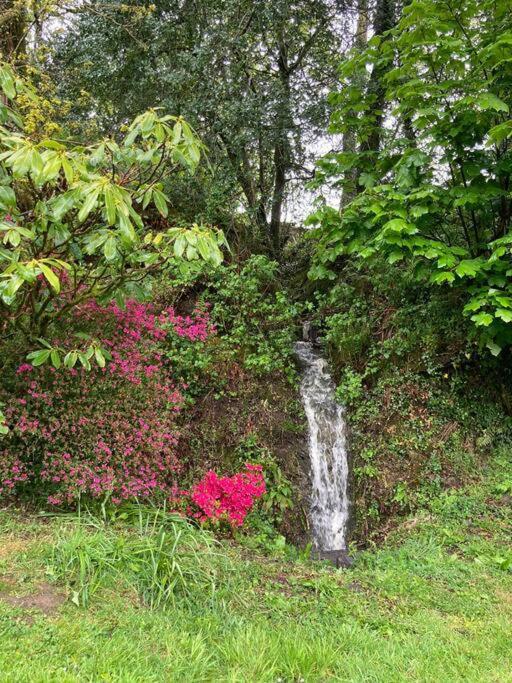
[(229, 498), (111, 430)]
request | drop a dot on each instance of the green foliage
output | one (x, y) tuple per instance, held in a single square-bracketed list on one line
[(279, 495), (69, 357), (245, 74), (159, 556), (254, 315), (378, 317), (434, 187), (424, 411), (76, 220), (4, 429), (350, 387)]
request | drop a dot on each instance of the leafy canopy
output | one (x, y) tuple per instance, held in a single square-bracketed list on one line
[(437, 189), (75, 220), (246, 74), (87, 222)]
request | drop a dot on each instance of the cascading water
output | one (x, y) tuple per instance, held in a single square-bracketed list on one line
[(328, 454)]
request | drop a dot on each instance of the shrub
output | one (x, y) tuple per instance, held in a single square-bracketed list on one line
[(107, 431), (111, 432), (254, 316), (228, 498), (88, 225)]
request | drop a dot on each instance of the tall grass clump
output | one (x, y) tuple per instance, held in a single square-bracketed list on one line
[(161, 557)]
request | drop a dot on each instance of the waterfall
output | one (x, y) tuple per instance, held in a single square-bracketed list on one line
[(327, 452)]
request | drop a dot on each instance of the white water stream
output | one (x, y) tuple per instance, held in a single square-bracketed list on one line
[(327, 452)]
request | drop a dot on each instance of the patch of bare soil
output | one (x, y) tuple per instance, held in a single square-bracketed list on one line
[(505, 598), (46, 598)]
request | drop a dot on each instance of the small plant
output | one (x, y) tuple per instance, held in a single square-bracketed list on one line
[(402, 495), (254, 316), (228, 498), (502, 561), (160, 556), (278, 495), (350, 388), (367, 468), (504, 487)]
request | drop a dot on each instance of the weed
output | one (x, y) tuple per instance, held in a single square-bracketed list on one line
[(161, 557)]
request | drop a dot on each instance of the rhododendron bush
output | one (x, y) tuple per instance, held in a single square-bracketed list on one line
[(94, 223), (228, 498), (112, 432)]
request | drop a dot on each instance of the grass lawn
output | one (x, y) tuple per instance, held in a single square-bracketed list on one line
[(434, 603)]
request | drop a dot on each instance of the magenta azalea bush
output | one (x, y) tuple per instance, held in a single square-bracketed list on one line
[(112, 432), (228, 498)]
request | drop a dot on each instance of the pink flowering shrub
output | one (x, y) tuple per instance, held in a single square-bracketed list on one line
[(113, 432), (189, 348), (228, 498), (108, 431)]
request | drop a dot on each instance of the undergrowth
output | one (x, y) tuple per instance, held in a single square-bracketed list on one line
[(158, 556), (425, 408), (432, 603)]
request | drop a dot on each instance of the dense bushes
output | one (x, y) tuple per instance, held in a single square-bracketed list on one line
[(93, 223), (427, 180), (425, 410), (380, 316), (119, 423), (255, 315), (111, 432)]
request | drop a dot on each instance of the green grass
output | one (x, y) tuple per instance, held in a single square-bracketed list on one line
[(433, 604)]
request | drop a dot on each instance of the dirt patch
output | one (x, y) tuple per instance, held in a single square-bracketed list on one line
[(10, 547), (505, 598), (46, 598)]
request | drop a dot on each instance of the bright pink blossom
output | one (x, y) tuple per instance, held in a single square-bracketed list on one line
[(229, 498), (105, 431)]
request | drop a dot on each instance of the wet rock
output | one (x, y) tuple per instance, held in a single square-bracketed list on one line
[(339, 558)]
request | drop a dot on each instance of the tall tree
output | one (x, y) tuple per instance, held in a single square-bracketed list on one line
[(247, 74), (349, 189), (435, 151), (384, 20)]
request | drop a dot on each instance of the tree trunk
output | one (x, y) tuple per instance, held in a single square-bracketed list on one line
[(282, 151), (244, 175), (384, 20), (12, 28), (349, 189)]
